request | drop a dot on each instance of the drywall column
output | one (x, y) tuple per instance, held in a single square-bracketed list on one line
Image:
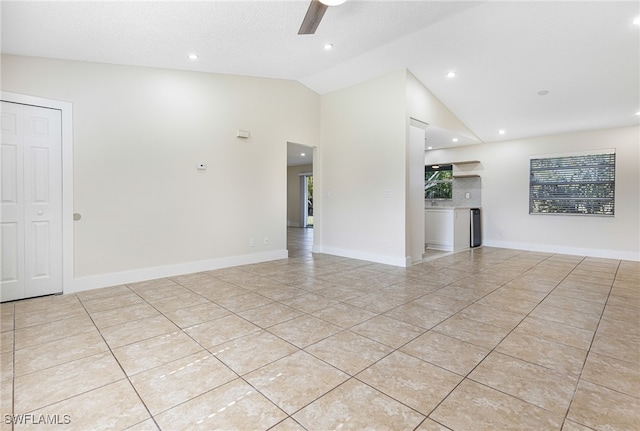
[(415, 191)]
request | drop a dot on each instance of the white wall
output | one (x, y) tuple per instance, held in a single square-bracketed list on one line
[(415, 193), (367, 153), (504, 169), (138, 135), (424, 106), (361, 165)]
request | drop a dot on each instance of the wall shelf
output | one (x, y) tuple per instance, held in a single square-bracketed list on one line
[(466, 176), (464, 162)]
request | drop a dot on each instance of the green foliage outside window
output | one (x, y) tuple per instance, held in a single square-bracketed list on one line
[(438, 182)]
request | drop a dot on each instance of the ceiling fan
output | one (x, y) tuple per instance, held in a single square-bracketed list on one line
[(314, 14)]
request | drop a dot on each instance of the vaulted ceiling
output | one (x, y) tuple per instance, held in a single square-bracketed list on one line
[(529, 68)]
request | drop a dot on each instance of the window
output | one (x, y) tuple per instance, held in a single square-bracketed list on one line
[(573, 184), (438, 182)]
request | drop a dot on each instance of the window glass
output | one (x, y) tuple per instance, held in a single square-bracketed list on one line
[(580, 184), (438, 182)]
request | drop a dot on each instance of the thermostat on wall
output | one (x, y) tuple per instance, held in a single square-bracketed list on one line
[(242, 134)]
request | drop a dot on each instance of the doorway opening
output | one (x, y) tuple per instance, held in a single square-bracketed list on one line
[(301, 209), (306, 200)]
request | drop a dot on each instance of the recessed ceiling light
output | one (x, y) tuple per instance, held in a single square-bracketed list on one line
[(636, 21), (451, 74), (638, 113), (429, 148), (193, 56), (454, 140), (302, 154), (332, 2), (328, 46), (501, 132)]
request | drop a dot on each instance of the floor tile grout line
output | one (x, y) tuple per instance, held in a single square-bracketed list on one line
[(126, 376), (509, 333), (586, 359), (86, 391), (378, 288), (467, 376)]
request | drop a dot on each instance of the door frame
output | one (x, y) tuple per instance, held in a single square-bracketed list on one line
[(66, 110), (304, 196)]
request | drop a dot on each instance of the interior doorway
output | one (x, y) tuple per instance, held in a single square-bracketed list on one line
[(306, 200), (300, 205), (301, 208)]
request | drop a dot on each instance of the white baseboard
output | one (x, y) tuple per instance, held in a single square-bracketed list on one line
[(403, 261), (575, 251), (439, 246), (81, 284)]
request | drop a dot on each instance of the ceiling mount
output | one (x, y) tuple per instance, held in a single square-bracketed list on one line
[(314, 15)]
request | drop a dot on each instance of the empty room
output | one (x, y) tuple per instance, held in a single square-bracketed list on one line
[(320, 215)]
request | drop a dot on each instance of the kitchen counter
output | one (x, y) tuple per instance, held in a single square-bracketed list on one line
[(428, 206)]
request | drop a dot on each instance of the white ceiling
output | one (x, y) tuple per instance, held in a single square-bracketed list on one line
[(586, 54), (299, 154)]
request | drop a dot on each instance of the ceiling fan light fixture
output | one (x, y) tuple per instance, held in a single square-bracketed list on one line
[(332, 2), (328, 46)]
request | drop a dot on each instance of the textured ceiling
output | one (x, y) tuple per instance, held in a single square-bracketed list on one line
[(585, 54)]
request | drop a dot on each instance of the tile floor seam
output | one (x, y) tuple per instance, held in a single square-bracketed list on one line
[(595, 332), (71, 396), (467, 376), (126, 376), (584, 363), (519, 264)]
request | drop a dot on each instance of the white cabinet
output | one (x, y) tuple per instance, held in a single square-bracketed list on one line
[(438, 228), (447, 228), (461, 228)]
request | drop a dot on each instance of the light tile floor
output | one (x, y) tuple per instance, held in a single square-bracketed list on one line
[(488, 339)]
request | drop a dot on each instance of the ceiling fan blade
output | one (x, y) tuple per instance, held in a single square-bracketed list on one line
[(313, 17)]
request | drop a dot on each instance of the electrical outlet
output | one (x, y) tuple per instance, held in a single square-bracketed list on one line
[(387, 194), (252, 242)]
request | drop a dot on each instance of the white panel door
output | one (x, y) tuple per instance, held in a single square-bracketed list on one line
[(31, 201)]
